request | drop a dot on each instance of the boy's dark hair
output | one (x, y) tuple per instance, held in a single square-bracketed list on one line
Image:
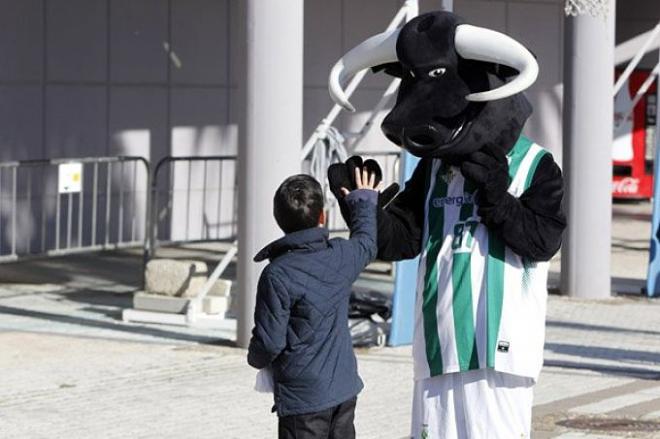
[(298, 203)]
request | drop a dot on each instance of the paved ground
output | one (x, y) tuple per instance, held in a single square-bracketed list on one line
[(70, 369)]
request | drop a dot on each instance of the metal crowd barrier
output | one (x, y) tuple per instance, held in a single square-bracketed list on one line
[(107, 211), (194, 199), (120, 203)]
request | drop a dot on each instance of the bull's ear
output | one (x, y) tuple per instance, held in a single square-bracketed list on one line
[(392, 69)]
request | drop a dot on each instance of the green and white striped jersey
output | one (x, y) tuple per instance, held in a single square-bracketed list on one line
[(479, 305)]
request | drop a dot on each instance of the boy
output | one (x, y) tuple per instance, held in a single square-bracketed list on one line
[(301, 316)]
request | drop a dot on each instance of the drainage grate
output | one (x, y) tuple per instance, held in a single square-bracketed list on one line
[(609, 424)]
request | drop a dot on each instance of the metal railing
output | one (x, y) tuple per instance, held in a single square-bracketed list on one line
[(121, 204), (108, 211), (194, 199)]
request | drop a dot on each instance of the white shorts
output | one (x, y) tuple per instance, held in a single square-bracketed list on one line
[(478, 404)]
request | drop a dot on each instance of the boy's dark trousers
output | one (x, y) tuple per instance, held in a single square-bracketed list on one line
[(333, 423)]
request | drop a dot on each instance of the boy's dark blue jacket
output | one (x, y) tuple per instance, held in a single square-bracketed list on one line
[(301, 316)]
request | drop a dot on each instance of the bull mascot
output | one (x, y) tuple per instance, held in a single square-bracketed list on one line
[(483, 211)]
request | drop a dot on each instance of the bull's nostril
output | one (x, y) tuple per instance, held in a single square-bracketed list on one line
[(422, 139), (394, 139)]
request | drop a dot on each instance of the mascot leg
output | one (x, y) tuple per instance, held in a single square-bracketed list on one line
[(478, 404)]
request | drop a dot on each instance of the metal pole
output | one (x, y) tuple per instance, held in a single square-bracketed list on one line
[(218, 222), (188, 201), (135, 201), (28, 238), (148, 225), (108, 200), (120, 213), (203, 215), (57, 220), (81, 203), (653, 273), (13, 209), (69, 220), (95, 185), (588, 109), (273, 134)]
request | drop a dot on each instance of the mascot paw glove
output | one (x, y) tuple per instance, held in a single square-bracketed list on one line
[(489, 169), (343, 175)]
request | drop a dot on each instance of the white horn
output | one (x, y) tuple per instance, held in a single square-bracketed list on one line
[(377, 50), (482, 44)]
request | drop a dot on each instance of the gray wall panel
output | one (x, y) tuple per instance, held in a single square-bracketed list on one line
[(199, 119), (364, 102), (76, 121), (539, 28), (489, 14), (362, 19), (633, 18), (21, 40), (137, 38), (316, 104), (138, 122), (200, 39), (237, 42), (637, 10), (20, 122), (323, 41), (77, 40)]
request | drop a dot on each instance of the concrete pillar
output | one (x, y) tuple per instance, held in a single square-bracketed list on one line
[(273, 134), (587, 151)]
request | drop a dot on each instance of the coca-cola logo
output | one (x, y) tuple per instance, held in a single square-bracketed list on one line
[(627, 185)]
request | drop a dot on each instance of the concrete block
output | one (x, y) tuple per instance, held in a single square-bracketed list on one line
[(159, 303), (221, 288), (177, 305), (215, 305), (175, 278)]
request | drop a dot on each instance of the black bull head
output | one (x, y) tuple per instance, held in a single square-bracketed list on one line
[(454, 97)]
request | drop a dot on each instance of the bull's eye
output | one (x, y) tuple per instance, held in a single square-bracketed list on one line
[(436, 73)]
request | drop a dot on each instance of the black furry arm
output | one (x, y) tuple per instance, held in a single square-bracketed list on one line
[(401, 222), (531, 225)]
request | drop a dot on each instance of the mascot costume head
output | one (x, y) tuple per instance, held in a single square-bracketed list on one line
[(460, 85)]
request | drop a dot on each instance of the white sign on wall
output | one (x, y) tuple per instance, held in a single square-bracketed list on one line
[(69, 178)]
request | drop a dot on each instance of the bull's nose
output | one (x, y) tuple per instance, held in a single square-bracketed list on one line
[(420, 138)]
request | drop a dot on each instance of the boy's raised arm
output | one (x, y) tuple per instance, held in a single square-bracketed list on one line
[(271, 316), (362, 204)]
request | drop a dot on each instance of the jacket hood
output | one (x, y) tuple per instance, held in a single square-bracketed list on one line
[(314, 238)]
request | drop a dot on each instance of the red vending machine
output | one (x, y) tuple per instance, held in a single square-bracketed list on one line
[(633, 148)]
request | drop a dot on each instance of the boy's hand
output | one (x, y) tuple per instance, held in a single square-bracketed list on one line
[(364, 180)]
